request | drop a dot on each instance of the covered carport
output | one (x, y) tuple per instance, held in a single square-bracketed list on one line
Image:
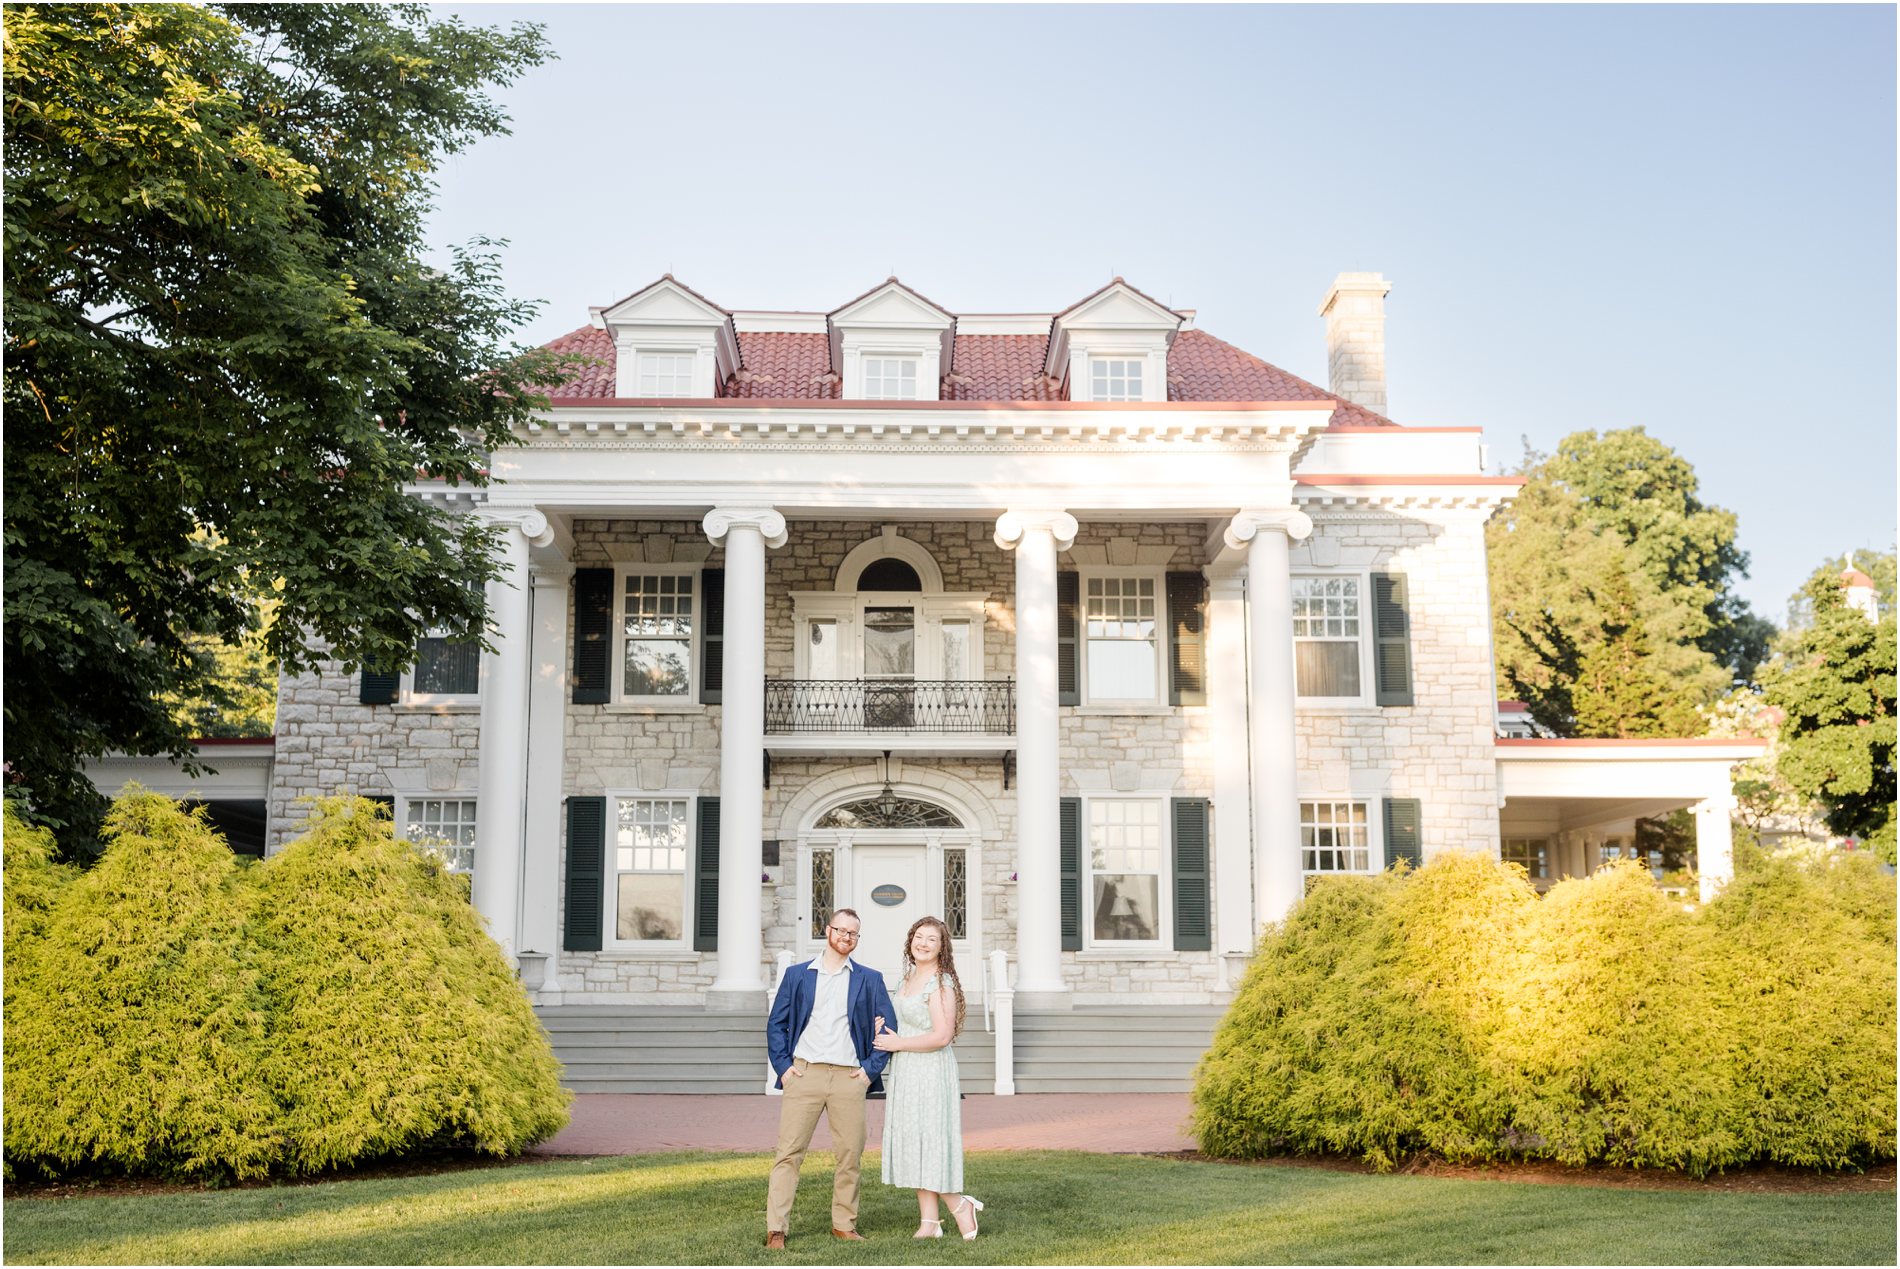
[(1567, 807)]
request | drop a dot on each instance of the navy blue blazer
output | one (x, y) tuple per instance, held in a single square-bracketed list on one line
[(865, 1000)]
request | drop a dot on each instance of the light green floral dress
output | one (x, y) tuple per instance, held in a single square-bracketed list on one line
[(923, 1120)]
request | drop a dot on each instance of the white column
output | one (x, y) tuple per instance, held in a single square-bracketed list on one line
[(547, 744), (745, 532), (1227, 721), (1264, 535), (503, 764), (1714, 844), (1037, 536)]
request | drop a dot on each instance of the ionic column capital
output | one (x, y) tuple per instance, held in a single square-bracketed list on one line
[(533, 525), (1246, 525), (722, 520), (1013, 524)]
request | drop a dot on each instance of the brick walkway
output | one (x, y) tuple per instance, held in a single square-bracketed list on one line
[(1108, 1123)]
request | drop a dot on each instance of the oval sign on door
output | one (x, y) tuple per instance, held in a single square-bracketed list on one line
[(888, 895)]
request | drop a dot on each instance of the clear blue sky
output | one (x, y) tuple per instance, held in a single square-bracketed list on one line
[(1593, 217)]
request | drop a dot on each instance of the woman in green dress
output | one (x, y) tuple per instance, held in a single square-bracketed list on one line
[(923, 1118)]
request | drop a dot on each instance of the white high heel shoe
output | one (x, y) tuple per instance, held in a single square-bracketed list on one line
[(974, 1205), (934, 1233)]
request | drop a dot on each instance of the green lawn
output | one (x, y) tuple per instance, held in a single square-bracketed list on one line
[(1051, 1208)]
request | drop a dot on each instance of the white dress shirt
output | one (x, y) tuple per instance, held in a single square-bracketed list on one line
[(827, 1037)]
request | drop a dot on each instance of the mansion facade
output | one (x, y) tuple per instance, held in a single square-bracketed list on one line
[(1086, 631)]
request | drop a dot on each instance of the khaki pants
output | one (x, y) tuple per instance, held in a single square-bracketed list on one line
[(837, 1093)]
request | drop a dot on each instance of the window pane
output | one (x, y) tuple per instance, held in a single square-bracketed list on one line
[(1127, 907), (448, 669), (447, 825), (890, 644), (956, 650), (651, 906), (657, 667), (1122, 669), (823, 662), (1327, 669)]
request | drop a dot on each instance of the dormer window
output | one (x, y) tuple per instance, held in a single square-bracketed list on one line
[(1115, 379), (664, 374), (890, 378)]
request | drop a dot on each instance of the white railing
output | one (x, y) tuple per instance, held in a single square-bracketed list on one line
[(997, 987), (779, 968)]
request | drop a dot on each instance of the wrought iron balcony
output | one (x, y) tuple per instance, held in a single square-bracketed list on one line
[(857, 706)]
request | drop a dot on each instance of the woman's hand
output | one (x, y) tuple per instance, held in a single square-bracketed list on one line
[(886, 1041)]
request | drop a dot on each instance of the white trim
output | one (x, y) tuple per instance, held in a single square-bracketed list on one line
[(610, 941), (1164, 878), (684, 702), (1122, 704), (408, 698)]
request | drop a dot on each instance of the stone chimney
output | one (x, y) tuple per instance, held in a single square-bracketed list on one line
[(1355, 339)]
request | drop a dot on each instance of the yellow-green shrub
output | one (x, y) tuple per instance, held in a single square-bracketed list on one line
[(134, 1019), (1358, 1026), (1803, 957), (1614, 1052), (1451, 1011), (173, 1011), (410, 1028)]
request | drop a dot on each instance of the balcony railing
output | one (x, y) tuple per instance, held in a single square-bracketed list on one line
[(974, 707)]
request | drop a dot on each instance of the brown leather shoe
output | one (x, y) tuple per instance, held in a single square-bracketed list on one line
[(849, 1235), (775, 1240)]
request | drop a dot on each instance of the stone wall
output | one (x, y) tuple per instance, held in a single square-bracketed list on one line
[(1438, 750)]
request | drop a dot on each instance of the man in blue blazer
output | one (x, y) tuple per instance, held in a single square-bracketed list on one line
[(819, 1041)]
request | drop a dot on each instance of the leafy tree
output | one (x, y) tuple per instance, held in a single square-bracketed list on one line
[(225, 357), (1609, 560), (237, 694), (1834, 685)]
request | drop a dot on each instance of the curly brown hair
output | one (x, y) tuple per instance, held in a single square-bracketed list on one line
[(946, 963)]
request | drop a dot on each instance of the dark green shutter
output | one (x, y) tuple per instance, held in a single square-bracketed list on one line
[(706, 878), (712, 628), (376, 687), (586, 866), (1071, 818), (1392, 639), (1192, 930), (593, 635), (1187, 639), (1068, 599), (1402, 832)]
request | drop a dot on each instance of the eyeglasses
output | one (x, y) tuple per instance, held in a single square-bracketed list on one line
[(843, 933)]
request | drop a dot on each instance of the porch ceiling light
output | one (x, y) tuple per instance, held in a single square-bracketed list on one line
[(887, 800)]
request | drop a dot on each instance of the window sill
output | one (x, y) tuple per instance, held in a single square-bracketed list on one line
[(438, 707), (654, 954), (1323, 705), (1135, 952), (1110, 711), (669, 707)]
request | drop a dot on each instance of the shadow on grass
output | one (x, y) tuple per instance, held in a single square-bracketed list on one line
[(1043, 1208)]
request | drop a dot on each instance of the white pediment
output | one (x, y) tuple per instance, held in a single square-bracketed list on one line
[(892, 305), (665, 303), (1119, 306)]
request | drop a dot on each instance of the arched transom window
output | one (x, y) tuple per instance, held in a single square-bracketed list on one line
[(888, 812)]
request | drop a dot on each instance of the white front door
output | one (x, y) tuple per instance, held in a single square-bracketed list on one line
[(890, 896)]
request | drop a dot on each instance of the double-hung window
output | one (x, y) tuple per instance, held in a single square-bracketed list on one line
[(1335, 837), (1126, 848), (890, 378), (1329, 627), (664, 374), (1122, 630), (447, 671), (647, 900), (658, 611), (1115, 378), (445, 824)]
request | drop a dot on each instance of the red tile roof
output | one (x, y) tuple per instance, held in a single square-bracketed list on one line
[(797, 366)]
